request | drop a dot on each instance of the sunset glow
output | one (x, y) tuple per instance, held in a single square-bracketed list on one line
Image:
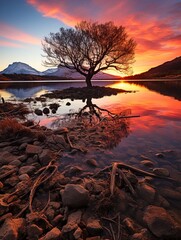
[(154, 26)]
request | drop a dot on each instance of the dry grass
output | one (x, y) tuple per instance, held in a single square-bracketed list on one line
[(10, 127)]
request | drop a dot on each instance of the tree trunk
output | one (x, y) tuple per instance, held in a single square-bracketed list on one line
[(88, 81)]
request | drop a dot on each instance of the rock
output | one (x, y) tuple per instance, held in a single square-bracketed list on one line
[(147, 163), (78, 232), (169, 193), (55, 205), (38, 112), (12, 181), (13, 229), (94, 227), (22, 146), (46, 110), (24, 177), (131, 226), (32, 149), (58, 219), (1, 185), (95, 238), (50, 213), (34, 232), (72, 221), (161, 172), (160, 222), (75, 196), (146, 192), (159, 155), (45, 157), (92, 162), (23, 158), (16, 163), (68, 103), (54, 234), (162, 202), (6, 158), (27, 169), (142, 235)]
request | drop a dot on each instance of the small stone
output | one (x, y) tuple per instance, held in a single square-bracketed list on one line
[(46, 110), (32, 149), (27, 169), (159, 155), (92, 162), (1, 185), (142, 235), (13, 229), (55, 205), (131, 226), (75, 196), (34, 232), (94, 227), (45, 157), (16, 163), (22, 146), (50, 213), (6, 158), (68, 104), (78, 232), (54, 234), (146, 192), (161, 172), (95, 238), (170, 193), (160, 223), (24, 177), (72, 221), (58, 219), (12, 181), (38, 112), (147, 163)]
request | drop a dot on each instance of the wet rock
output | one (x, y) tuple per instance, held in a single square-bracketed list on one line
[(27, 169), (142, 235), (34, 232), (54, 234), (46, 110), (6, 158), (170, 193), (45, 157), (32, 149), (75, 196), (24, 177), (78, 232), (131, 226), (146, 192), (147, 163), (92, 162), (72, 222), (161, 172), (54, 111), (94, 227), (160, 222), (38, 112), (159, 155), (12, 229)]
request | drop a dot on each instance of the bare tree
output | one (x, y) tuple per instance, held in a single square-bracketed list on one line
[(89, 48)]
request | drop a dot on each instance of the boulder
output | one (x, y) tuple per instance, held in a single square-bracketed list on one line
[(13, 229), (75, 196), (160, 223)]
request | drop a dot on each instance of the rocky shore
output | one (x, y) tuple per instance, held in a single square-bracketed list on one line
[(46, 194)]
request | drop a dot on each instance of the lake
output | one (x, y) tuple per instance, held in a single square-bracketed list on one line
[(154, 135)]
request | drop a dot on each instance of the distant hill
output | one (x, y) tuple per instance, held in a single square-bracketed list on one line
[(22, 71), (170, 69)]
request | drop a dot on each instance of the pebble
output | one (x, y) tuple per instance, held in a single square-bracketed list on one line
[(94, 227), (147, 163), (161, 172), (53, 234), (146, 192), (34, 232), (27, 169), (32, 149), (24, 177)]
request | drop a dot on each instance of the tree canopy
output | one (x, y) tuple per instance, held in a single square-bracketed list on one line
[(90, 47)]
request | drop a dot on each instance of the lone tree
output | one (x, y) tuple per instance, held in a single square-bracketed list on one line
[(89, 48)]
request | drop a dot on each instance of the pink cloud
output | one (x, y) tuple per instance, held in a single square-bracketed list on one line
[(151, 23), (12, 33), (4, 43)]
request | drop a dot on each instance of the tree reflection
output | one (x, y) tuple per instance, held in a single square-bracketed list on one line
[(96, 127)]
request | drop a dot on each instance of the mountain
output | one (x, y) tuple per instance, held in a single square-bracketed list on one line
[(170, 69), (61, 73), (20, 68)]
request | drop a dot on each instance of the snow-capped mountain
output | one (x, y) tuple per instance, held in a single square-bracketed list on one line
[(62, 72), (20, 68)]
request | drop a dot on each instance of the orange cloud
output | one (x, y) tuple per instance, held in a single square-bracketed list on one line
[(155, 26), (12, 33)]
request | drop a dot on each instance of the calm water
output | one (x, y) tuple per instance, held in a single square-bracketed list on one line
[(158, 104)]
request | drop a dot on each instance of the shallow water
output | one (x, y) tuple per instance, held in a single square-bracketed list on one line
[(156, 130)]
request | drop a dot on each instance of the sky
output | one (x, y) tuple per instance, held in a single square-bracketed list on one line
[(154, 24)]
